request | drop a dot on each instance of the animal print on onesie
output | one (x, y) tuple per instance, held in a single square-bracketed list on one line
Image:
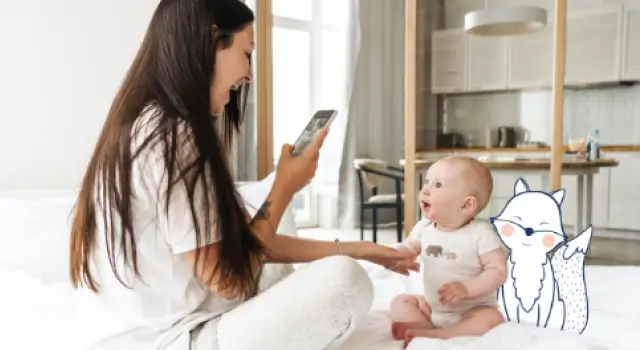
[(453, 256)]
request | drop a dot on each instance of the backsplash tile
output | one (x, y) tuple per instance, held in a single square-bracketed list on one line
[(615, 111)]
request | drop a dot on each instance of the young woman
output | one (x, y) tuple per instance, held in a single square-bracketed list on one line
[(162, 250)]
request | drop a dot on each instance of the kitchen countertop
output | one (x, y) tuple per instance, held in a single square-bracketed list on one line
[(530, 164), (604, 148)]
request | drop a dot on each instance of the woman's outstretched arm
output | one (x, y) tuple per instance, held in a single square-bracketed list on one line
[(289, 249)]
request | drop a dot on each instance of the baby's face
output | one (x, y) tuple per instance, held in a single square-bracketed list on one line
[(443, 195)]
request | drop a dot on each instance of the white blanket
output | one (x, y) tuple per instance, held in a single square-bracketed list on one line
[(613, 324), (37, 304), (28, 306)]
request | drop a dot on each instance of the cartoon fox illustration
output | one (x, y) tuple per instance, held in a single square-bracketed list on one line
[(541, 291)]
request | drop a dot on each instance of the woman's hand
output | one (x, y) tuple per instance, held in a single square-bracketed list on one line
[(294, 173), (400, 261)]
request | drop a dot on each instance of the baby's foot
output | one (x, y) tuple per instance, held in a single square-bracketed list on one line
[(410, 334), (398, 329)]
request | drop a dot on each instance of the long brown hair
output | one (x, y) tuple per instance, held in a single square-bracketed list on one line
[(172, 73)]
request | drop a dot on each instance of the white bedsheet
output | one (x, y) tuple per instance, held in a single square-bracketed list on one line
[(614, 322), (36, 315), (37, 304)]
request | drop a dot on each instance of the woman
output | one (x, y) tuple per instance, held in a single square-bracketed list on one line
[(162, 249)]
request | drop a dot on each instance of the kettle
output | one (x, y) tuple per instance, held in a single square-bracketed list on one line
[(506, 137)]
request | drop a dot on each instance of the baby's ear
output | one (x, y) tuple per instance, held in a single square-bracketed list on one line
[(470, 203)]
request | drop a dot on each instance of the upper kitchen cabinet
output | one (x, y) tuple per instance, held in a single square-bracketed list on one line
[(631, 47), (531, 59), (449, 66), (488, 63), (594, 45)]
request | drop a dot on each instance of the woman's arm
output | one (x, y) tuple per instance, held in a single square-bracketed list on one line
[(263, 225), (288, 249)]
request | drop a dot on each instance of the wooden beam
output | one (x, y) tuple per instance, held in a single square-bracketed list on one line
[(264, 86), (560, 44), (410, 191)]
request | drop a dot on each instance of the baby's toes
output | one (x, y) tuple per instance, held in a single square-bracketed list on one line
[(397, 330), (408, 337)]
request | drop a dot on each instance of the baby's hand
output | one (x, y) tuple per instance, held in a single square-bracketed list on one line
[(406, 265), (452, 293)]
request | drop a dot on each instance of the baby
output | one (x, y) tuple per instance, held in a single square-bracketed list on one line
[(463, 264)]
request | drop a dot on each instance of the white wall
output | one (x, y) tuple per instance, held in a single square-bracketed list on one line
[(60, 65)]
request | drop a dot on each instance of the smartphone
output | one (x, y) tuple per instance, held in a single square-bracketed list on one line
[(320, 120)]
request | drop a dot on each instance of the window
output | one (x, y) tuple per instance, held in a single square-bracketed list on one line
[(296, 9), (310, 53), (291, 88), (310, 43)]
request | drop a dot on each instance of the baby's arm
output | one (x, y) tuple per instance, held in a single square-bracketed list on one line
[(493, 261), (412, 242), (494, 274), (409, 244)]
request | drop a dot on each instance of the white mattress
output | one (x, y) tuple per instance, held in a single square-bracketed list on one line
[(36, 315), (36, 303), (613, 323)]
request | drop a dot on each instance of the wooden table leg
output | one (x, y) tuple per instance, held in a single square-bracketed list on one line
[(580, 206), (589, 204)]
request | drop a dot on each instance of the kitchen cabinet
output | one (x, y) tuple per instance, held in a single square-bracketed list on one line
[(449, 65), (624, 192), (631, 44), (593, 53), (603, 46), (531, 59), (488, 63)]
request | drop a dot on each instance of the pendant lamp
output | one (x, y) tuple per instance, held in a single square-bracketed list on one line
[(505, 20)]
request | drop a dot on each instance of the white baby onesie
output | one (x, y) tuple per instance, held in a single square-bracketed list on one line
[(453, 256)]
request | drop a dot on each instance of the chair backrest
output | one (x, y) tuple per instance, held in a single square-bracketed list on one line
[(372, 181)]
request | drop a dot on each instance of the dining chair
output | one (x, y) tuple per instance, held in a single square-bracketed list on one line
[(371, 173)]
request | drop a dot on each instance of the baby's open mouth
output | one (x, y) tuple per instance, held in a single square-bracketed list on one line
[(425, 205)]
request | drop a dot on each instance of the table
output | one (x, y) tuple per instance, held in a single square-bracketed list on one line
[(582, 169)]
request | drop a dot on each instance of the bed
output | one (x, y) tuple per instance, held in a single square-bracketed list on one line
[(37, 304)]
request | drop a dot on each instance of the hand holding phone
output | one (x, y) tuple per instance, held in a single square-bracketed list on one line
[(295, 172), (320, 120)]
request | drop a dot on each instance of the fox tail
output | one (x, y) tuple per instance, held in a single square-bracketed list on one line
[(568, 264)]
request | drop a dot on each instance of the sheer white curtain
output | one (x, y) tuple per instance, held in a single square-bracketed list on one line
[(375, 123), (346, 60), (315, 51), (314, 46)]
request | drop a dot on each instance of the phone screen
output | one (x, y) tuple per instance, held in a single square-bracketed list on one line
[(320, 120)]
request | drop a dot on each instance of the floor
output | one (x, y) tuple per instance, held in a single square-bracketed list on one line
[(603, 251)]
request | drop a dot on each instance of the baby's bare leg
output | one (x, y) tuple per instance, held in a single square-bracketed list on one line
[(409, 312), (475, 322)]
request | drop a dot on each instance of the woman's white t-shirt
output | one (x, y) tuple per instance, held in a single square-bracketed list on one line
[(167, 300)]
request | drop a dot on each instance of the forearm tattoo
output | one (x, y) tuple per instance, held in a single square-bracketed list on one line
[(263, 212)]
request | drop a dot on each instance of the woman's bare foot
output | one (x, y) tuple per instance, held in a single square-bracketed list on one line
[(410, 334), (399, 329)]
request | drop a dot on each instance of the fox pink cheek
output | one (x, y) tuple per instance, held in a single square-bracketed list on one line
[(507, 230), (548, 241)]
